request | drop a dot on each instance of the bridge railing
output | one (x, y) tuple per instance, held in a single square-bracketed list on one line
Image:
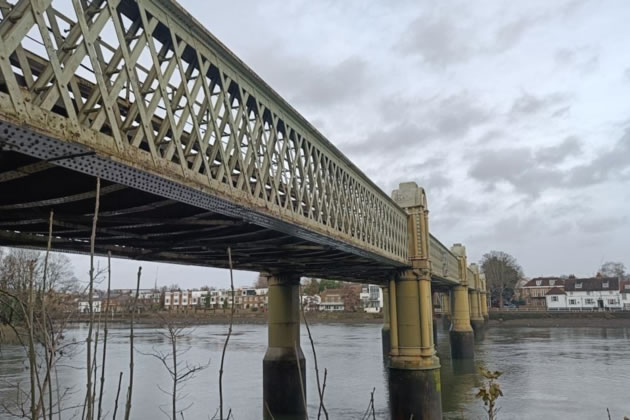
[(143, 83), (443, 263)]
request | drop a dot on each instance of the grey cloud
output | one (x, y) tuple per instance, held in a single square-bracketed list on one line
[(389, 141), (438, 40), (584, 59), (571, 146), (456, 115), (307, 83), (601, 224), (490, 135), (532, 171), (607, 164), (532, 224), (336, 84), (527, 104), (528, 172), (442, 41), (565, 55), (449, 118), (511, 33), (561, 112)]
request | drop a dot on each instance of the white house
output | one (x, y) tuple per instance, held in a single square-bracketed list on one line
[(624, 289), (598, 293), (84, 305), (371, 297), (184, 298), (556, 299)]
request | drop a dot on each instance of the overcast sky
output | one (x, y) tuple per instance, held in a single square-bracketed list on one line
[(514, 116)]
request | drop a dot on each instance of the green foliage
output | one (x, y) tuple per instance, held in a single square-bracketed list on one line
[(311, 287), (490, 392), (329, 284)]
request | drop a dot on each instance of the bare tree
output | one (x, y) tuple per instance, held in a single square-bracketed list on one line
[(502, 272), (130, 387), (176, 334), (227, 339), (90, 402), (613, 269), (105, 331), (261, 282)]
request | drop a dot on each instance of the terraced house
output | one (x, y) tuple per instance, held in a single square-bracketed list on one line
[(535, 290), (596, 293)]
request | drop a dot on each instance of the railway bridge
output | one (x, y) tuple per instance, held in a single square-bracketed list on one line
[(194, 153)]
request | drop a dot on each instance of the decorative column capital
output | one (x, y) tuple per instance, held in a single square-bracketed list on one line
[(413, 200), (459, 251)]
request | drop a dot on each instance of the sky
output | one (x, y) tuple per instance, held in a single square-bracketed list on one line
[(514, 116)]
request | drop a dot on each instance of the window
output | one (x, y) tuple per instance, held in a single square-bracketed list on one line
[(589, 301), (626, 286), (167, 301), (605, 285), (578, 285), (538, 282), (572, 302), (552, 282), (554, 298), (612, 301)]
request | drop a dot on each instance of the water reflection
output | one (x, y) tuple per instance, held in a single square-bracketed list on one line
[(548, 372)]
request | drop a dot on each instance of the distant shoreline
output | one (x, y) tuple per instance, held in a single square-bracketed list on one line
[(560, 319), (240, 317)]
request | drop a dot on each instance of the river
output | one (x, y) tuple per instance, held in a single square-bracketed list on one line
[(550, 373)]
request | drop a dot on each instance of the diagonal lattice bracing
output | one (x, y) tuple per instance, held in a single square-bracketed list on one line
[(142, 83)]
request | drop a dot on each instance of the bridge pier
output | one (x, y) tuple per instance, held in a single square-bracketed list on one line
[(414, 372), (484, 307), (461, 334), (446, 310), (284, 373), (476, 318), (386, 331)]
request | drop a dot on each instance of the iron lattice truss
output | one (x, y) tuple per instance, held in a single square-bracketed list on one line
[(140, 86)]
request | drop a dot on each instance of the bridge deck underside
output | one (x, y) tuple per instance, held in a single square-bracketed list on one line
[(138, 225)]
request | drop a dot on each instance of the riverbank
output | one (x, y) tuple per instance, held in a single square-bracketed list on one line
[(240, 317), (560, 319)]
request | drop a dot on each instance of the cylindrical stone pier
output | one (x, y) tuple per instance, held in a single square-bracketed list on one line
[(476, 319), (414, 369), (446, 310), (414, 375), (284, 362), (461, 334)]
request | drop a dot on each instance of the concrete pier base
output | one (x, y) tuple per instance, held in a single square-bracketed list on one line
[(479, 326), (435, 331), (446, 322), (462, 344), (284, 364), (415, 394), (386, 339), (282, 391)]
